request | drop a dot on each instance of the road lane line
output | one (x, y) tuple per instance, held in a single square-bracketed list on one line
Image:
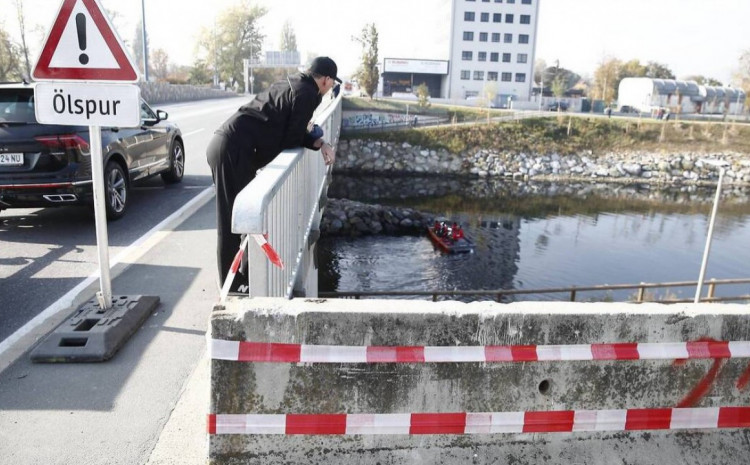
[(134, 251), (193, 132)]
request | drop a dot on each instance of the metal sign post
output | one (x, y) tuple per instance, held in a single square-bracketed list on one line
[(91, 84), (701, 276)]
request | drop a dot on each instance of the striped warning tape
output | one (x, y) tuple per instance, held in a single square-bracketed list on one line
[(241, 351), (483, 423)]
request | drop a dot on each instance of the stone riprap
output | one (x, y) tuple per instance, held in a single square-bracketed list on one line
[(347, 218), (370, 156)]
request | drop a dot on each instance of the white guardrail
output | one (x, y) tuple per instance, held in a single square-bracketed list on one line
[(283, 202)]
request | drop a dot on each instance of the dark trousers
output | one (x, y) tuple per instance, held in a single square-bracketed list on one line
[(232, 169)]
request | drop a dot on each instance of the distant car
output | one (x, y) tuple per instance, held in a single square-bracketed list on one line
[(628, 109), (50, 165), (557, 106)]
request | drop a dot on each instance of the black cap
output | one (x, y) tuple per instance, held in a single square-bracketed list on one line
[(325, 67)]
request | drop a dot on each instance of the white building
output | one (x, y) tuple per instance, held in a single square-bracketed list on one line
[(647, 95), (493, 45)]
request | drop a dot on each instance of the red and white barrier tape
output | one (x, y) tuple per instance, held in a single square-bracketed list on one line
[(233, 270), (262, 240), (299, 353), (484, 423)]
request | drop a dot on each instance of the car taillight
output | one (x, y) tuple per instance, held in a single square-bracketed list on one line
[(64, 142)]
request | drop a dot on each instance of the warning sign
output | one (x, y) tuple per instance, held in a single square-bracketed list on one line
[(83, 46)]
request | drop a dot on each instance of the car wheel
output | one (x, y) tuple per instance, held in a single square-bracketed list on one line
[(115, 190), (176, 164)]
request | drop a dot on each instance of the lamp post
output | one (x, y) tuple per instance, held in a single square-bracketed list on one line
[(145, 41), (722, 168)]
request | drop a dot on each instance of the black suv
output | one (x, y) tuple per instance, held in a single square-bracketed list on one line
[(49, 165)]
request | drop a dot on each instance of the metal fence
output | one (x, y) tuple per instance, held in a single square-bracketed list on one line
[(572, 292), (283, 203)]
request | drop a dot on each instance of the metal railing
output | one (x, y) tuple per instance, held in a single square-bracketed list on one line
[(283, 203), (572, 292)]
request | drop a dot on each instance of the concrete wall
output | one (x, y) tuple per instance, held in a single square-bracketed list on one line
[(303, 388)]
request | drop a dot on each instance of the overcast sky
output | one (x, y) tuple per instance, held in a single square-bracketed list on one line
[(689, 36)]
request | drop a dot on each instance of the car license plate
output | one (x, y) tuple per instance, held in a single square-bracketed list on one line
[(11, 159)]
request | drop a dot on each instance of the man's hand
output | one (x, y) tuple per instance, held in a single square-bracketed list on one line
[(329, 156)]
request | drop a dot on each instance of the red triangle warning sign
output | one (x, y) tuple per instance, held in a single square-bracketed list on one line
[(83, 46)]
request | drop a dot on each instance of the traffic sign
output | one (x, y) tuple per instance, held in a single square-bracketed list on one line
[(83, 46), (87, 104)]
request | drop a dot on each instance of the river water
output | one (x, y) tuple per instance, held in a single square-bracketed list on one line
[(531, 236)]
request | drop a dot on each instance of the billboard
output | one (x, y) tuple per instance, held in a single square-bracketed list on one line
[(399, 65)]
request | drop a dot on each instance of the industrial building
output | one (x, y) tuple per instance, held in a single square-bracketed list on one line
[(685, 97), (492, 47)]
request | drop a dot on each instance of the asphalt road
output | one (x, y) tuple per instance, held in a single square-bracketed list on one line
[(44, 253)]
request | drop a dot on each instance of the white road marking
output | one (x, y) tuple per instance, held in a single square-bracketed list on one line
[(134, 251), (193, 132)]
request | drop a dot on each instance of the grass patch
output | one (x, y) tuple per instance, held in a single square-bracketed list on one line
[(565, 134)]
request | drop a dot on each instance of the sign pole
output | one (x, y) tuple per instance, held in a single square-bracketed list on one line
[(100, 214)]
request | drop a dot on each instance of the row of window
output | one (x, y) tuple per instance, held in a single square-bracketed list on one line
[(492, 76), (523, 2), (507, 38), (496, 17), (494, 57)]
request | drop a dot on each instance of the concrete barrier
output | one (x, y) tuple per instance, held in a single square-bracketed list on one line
[(404, 382)]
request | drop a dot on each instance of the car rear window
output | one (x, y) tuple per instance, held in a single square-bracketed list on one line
[(17, 106)]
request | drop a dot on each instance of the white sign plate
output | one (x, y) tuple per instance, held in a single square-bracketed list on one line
[(88, 104)]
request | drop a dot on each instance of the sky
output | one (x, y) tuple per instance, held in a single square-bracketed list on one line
[(690, 36)]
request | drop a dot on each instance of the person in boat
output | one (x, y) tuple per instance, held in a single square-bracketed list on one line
[(458, 232)]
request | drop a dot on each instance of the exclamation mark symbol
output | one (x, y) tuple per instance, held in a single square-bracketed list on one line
[(81, 27)]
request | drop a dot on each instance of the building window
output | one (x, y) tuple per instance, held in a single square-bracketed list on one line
[(506, 57), (496, 37), (508, 38), (526, 2), (498, 1), (468, 35), (523, 38), (520, 77), (466, 56), (482, 37), (511, 1), (506, 77), (481, 56), (494, 56), (485, 17), (492, 75), (465, 74), (486, 1), (497, 17), (468, 16), (522, 58), (479, 75), (508, 18), (525, 19)]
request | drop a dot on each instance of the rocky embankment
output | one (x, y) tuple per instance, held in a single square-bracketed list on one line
[(348, 218), (366, 156)]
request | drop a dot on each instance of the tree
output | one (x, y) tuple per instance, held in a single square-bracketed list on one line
[(703, 80), (423, 96), (10, 58), (607, 79), (658, 71), (199, 73), (540, 67), (138, 46), (559, 86), (565, 76), (159, 64), (741, 76), (632, 68), (368, 74), (234, 38), (288, 38), (24, 46)]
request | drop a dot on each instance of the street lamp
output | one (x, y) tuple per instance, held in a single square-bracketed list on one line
[(721, 165), (145, 42)]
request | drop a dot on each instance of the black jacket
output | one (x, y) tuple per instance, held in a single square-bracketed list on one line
[(275, 120)]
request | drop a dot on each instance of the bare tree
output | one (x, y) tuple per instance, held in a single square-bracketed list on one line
[(10, 58), (24, 47), (368, 74), (288, 38)]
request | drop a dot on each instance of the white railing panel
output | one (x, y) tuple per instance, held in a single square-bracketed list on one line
[(282, 202)]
